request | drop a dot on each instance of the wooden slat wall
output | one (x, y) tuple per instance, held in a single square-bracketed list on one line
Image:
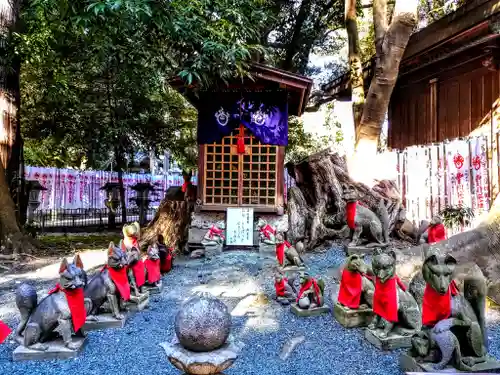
[(464, 105)]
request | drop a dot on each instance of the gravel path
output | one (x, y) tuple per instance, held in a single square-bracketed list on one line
[(244, 281)]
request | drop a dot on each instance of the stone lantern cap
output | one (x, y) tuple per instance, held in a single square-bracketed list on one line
[(143, 186), (109, 186), (35, 185)]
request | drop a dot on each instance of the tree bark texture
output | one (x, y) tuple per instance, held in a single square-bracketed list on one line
[(355, 63), (391, 45), (315, 205)]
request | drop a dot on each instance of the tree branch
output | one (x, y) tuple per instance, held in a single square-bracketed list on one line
[(379, 23)]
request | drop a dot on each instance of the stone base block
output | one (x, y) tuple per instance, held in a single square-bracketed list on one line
[(408, 364), (204, 363), (350, 318), (56, 350), (284, 301), (105, 321), (138, 303), (155, 289), (393, 341), (267, 249), (357, 250), (211, 251), (292, 269), (309, 312)]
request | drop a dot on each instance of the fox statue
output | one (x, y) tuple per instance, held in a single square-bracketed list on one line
[(61, 312)]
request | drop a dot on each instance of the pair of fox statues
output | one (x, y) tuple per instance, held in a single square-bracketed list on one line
[(76, 300), (444, 324)]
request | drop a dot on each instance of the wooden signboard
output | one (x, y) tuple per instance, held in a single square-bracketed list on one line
[(239, 224)]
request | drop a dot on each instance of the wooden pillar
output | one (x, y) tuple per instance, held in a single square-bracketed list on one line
[(433, 105)]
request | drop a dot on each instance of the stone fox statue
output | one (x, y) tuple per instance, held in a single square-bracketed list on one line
[(286, 254), (62, 311), (365, 223), (111, 285), (437, 293), (152, 266), (356, 283), (393, 306), (135, 268)]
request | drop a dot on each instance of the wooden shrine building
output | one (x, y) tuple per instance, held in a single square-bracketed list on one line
[(242, 135), (449, 79)]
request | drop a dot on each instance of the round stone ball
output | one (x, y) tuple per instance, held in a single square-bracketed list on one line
[(203, 323)]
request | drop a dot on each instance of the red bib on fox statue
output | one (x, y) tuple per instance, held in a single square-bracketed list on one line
[(350, 211), (166, 263), (435, 306), (153, 268), (436, 233), (280, 287), (351, 285), (76, 303), (120, 279), (4, 331), (139, 274), (385, 298), (280, 251)]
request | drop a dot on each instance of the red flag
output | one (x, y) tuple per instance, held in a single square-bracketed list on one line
[(4, 331)]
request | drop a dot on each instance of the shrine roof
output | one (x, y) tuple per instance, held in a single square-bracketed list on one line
[(264, 77), (469, 25)]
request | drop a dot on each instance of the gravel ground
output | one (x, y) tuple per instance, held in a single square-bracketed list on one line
[(242, 280)]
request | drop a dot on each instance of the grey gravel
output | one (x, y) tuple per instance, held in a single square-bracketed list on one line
[(261, 324)]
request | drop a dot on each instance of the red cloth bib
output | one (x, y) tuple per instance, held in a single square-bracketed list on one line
[(385, 299), (317, 292), (267, 230), (166, 264), (280, 287), (280, 251), (214, 231), (185, 186), (4, 331), (76, 303), (436, 233), (351, 285), (120, 279), (350, 211), (138, 270), (436, 307), (153, 268)]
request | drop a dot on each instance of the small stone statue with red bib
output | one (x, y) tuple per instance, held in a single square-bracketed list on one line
[(311, 293), (436, 231), (286, 254), (396, 313), (356, 285), (285, 290)]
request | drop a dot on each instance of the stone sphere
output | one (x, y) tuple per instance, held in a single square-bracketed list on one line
[(203, 323)]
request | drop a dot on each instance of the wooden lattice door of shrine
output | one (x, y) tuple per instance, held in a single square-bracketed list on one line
[(235, 179)]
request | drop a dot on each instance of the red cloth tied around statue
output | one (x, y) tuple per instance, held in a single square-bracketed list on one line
[(350, 211), (436, 307), (214, 231), (185, 186), (120, 279), (153, 269), (280, 287), (166, 263), (241, 140), (280, 251), (351, 285), (267, 230), (385, 298), (436, 233), (138, 270), (312, 282), (76, 303), (4, 331)]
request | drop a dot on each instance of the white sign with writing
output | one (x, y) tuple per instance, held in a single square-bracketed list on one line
[(239, 227)]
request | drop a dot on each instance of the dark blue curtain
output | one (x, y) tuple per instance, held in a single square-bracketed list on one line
[(264, 113)]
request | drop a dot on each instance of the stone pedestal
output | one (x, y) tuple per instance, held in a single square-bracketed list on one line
[(357, 250), (284, 301), (350, 318), (292, 269), (211, 251), (105, 321), (56, 350), (309, 312), (202, 363), (155, 289), (408, 364), (393, 341), (138, 303), (267, 249)]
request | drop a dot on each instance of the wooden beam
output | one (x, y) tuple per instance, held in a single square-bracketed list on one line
[(459, 21)]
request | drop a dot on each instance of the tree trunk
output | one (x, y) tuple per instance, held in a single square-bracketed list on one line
[(355, 63), (295, 45), (171, 221), (316, 207)]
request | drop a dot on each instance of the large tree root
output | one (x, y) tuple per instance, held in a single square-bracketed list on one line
[(315, 205), (171, 221)]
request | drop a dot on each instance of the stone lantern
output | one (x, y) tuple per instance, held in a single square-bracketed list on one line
[(112, 201), (142, 199), (33, 190)]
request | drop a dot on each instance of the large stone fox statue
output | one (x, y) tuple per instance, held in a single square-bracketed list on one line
[(363, 222), (62, 311)]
